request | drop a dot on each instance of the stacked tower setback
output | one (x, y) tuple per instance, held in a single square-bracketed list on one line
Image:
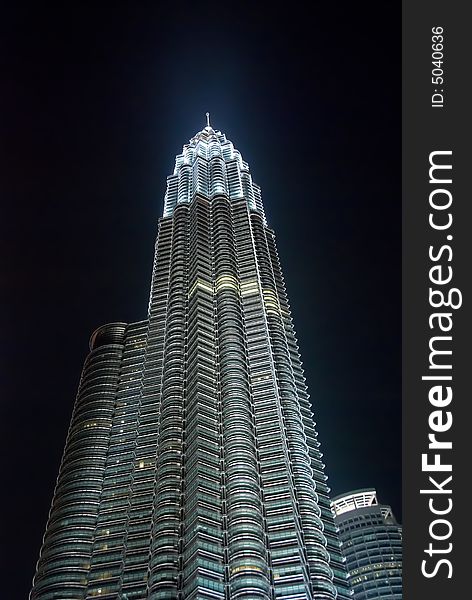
[(192, 468)]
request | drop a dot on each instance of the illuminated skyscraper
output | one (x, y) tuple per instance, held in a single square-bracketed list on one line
[(372, 544), (192, 468)]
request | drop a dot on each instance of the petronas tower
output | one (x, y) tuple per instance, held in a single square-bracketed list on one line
[(192, 468)]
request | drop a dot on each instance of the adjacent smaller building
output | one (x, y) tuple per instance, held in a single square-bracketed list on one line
[(371, 542)]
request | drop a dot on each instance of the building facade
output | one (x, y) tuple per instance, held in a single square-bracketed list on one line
[(192, 468), (371, 542)]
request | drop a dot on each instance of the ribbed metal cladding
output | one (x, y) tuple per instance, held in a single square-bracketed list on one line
[(164, 565), (310, 526), (63, 569), (247, 556), (192, 469), (202, 526)]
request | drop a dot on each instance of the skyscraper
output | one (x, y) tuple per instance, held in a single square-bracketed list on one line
[(192, 468), (372, 544)]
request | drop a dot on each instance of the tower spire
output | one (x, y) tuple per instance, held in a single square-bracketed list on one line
[(208, 119)]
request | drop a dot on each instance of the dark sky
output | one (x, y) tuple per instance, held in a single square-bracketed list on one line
[(96, 101)]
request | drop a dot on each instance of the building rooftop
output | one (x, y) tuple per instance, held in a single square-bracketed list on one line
[(353, 500)]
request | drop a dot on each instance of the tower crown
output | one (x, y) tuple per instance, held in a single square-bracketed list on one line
[(209, 165), (353, 500)]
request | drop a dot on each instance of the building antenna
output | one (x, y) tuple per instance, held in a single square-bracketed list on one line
[(208, 119)]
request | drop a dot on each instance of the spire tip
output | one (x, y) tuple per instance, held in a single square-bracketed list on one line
[(208, 119)]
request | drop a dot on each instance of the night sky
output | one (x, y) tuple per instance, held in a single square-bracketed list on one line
[(96, 101)]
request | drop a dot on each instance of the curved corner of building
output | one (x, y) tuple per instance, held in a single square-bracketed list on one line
[(111, 333)]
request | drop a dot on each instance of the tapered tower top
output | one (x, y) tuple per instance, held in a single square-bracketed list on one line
[(210, 166)]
